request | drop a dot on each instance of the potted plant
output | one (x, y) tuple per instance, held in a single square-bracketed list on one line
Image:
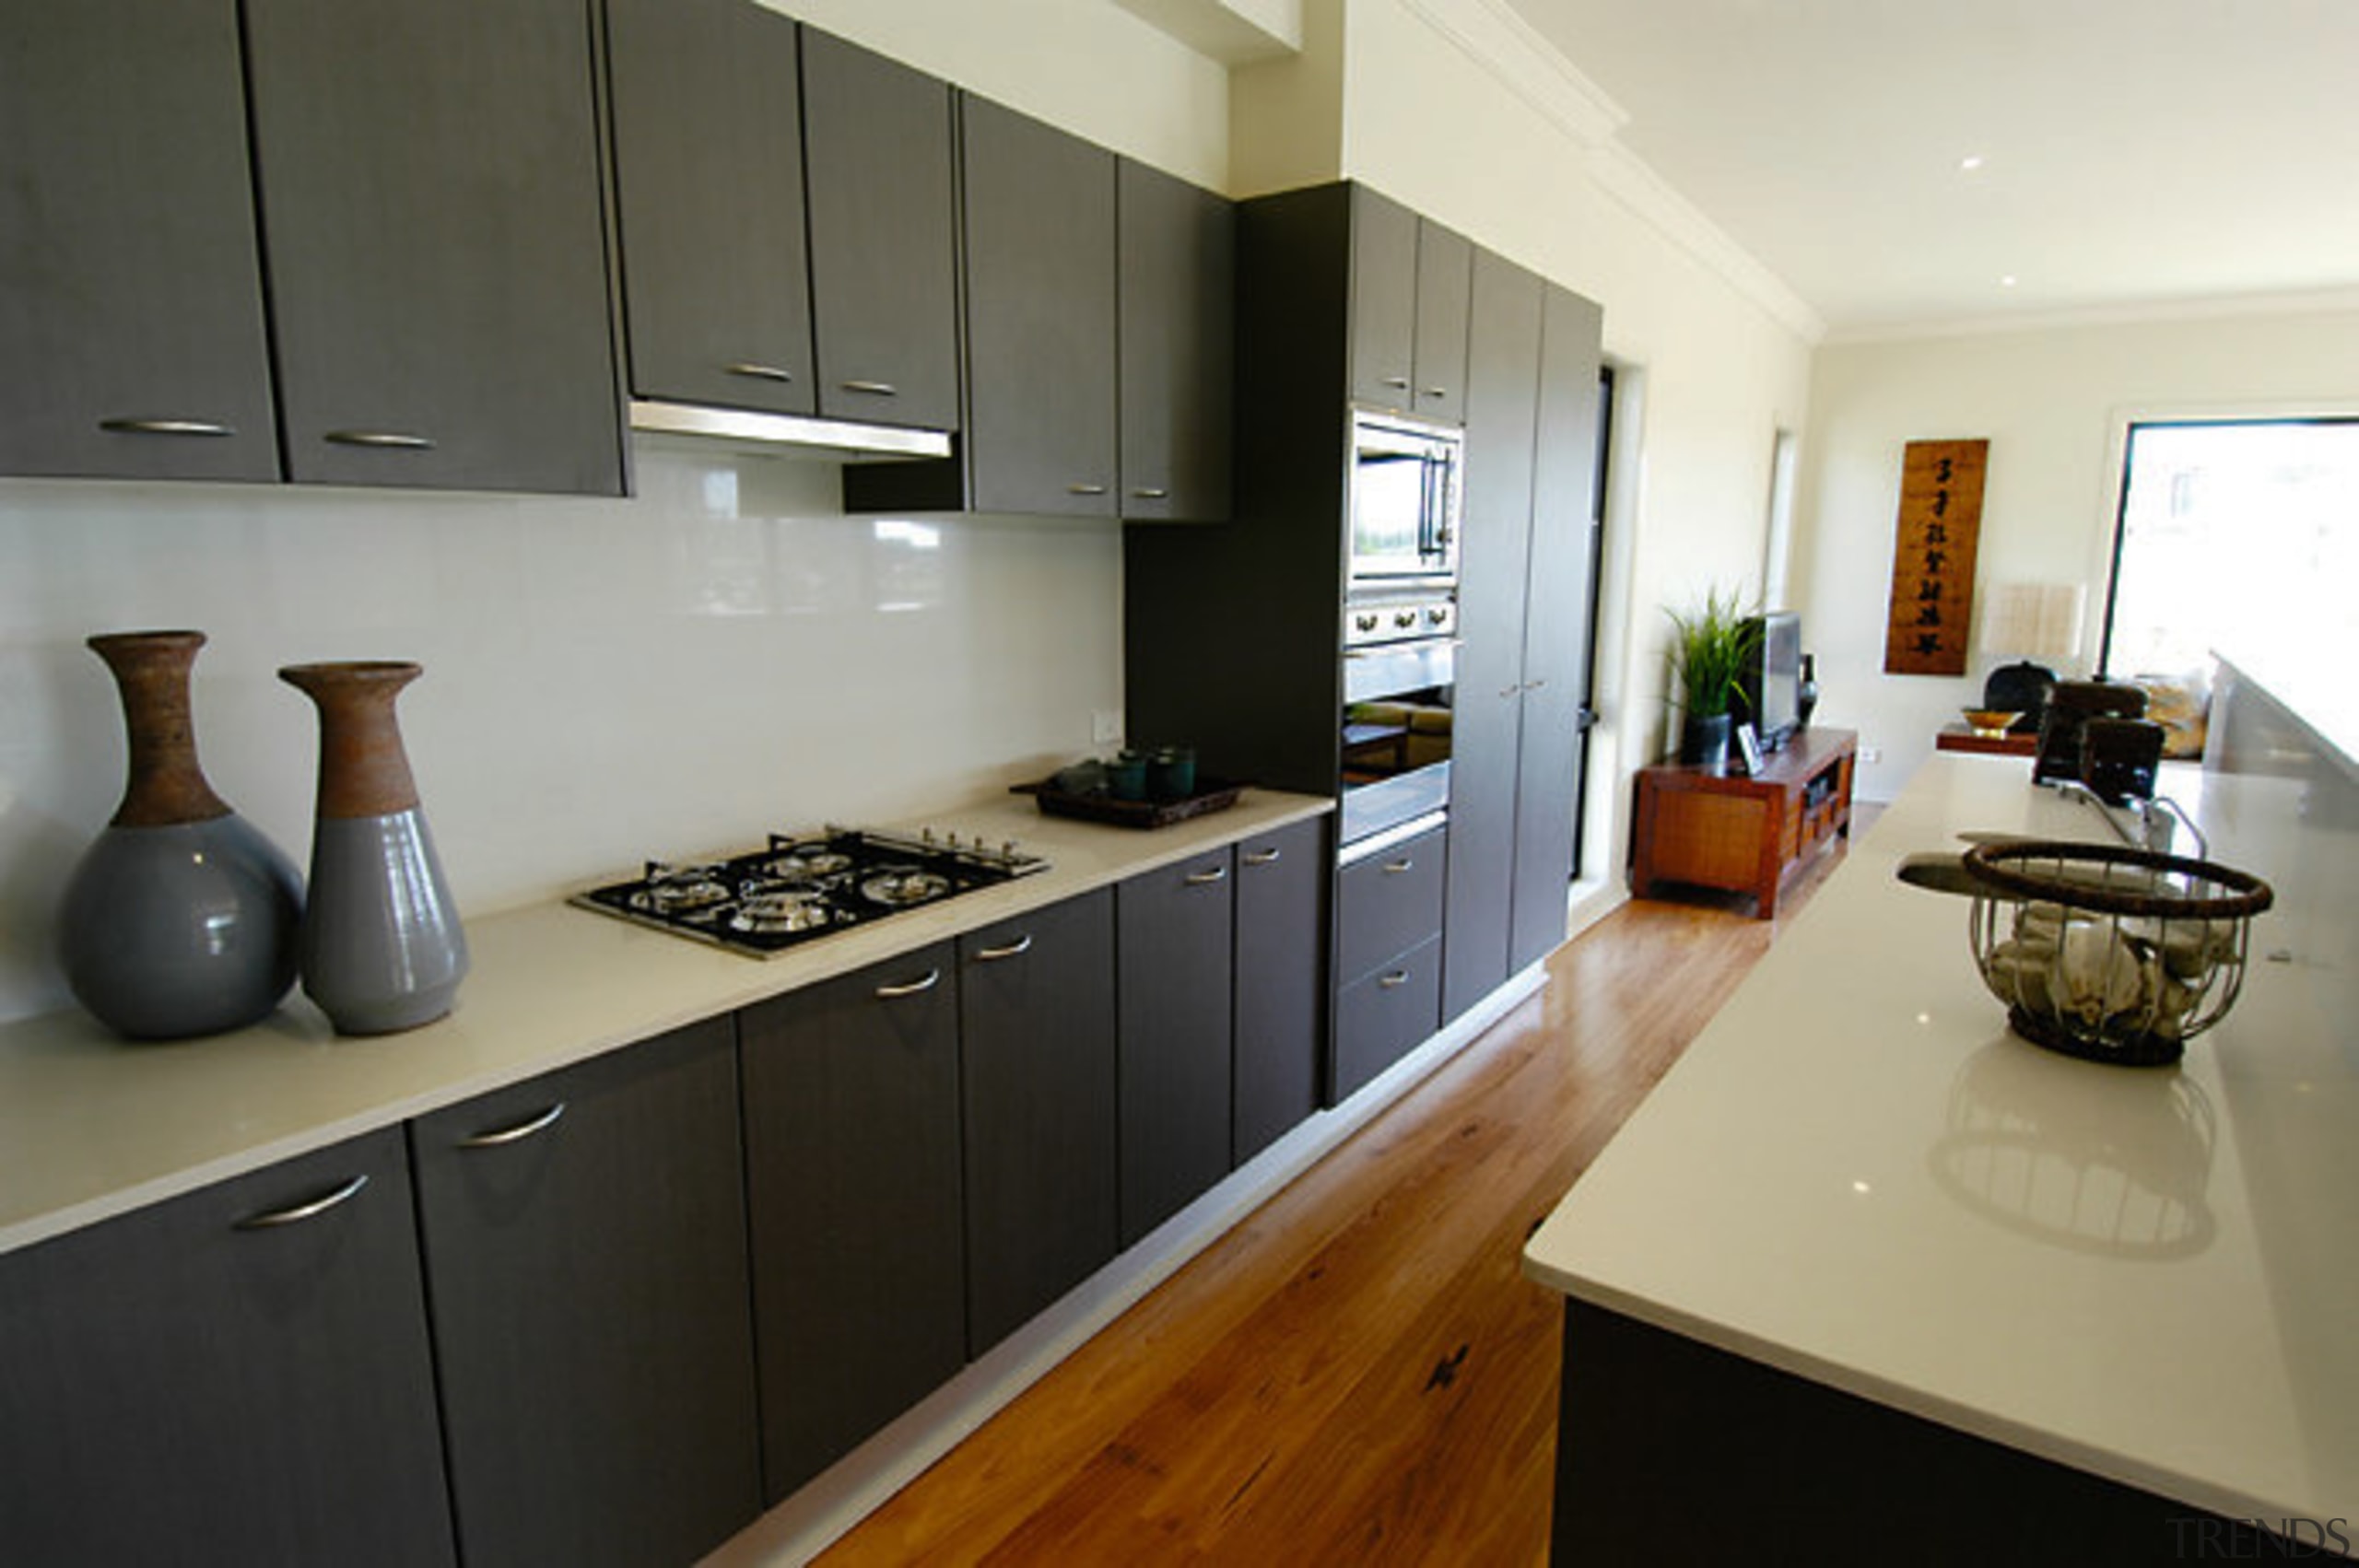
[(1712, 647)]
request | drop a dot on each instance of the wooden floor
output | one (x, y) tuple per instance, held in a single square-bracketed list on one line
[(1357, 1373)]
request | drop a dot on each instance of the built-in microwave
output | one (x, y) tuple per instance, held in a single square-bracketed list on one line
[(1406, 491)]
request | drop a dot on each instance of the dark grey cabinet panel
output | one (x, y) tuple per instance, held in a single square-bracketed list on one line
[(192, 1384), (1389, 902), (1040, 316), (584, 1235), (434, 223), (1177, 258), (1281, 979), (1175, 935), (1502, 401), (1383, 1015), (708, 150), (131, 312), (1036, 1043), (852, 1181), (883, 199), (1445, 267), (1383, 299)]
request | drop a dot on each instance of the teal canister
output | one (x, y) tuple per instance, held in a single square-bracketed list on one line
[(181, 918), (382, 948)]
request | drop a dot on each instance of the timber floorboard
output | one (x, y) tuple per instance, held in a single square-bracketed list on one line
[(1359, 1373)]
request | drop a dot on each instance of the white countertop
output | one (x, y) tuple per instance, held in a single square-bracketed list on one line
[(92, 1126), (1858, 1175)]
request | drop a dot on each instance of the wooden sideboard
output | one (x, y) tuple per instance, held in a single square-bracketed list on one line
[(1743, 833)]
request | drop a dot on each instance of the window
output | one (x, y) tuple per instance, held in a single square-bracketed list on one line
[(2235, 534)]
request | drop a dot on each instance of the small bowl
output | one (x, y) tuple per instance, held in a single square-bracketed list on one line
[(1988, 722)]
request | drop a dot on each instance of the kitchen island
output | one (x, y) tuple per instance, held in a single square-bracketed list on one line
[(1870, 1277)]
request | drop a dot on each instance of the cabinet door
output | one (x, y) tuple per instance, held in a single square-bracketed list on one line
[(1384, 300), (585, 1244), (1445, 269), (709, 184), (436, 235), (237, 1377), (1389, 902), (1556, 625), (1036, 1027), (1040, 317), (852, 1172), (1177, 247), (1281, 979), (130, 319), (883, 195), (1502, 397), (1175, 930), (1384, 1016)]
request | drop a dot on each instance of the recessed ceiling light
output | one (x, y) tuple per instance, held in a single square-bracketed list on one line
[(2008, 281), (1969, 163)]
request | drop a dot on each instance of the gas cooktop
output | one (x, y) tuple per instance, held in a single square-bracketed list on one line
[(765, 901)]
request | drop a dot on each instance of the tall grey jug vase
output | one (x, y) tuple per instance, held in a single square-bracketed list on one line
[(383, 947), (181, 918)]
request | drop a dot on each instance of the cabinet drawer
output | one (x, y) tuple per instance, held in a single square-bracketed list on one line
[(1388, 902), (1382, 1016)]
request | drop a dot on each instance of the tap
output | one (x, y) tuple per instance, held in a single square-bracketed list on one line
[(2157, 816)]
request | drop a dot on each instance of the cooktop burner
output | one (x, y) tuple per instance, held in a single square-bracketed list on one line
[(791, 890)]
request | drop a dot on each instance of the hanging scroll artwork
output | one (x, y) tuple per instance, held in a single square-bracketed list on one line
[(1932, 559)]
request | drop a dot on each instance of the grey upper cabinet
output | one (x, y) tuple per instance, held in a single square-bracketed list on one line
[(1281, 1001), (1409, 300), (1035, 1011), (708, 151), (852, 1157), (1040, 317), (883, 205), (1445, 271), (1177, 258), (238, 1377), (434, 218), (1175, 928), (584, 1235), (131, 311)]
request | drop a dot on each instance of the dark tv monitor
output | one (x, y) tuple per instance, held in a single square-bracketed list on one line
[(1771, 699)]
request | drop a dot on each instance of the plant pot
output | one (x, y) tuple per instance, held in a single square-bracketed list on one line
[(1704, 739), (181, 918), (383, 949)]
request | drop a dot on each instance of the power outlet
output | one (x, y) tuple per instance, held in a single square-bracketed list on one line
[(1870, 754), (1105, 726)]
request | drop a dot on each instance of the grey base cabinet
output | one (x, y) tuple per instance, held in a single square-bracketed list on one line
[(1281, 979), (1175, 931), (853, 1173), (238, 1377), (584, 1239), (1389, 947)]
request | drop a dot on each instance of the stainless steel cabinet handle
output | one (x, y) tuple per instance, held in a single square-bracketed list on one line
[(1020, 947), (1394, 868), (924, 982), (1261, 857), (303, 1211), (764, 372), (1394, 981), (1151, 493), (1436, 391), (390, 440), (1086, 490), (1399, 381), (1510, 691), (502, 1137), (165, 427), (1206, 879), (1535, 685), (873, 389)]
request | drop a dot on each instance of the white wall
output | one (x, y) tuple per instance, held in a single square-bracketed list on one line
[(2053, 404)]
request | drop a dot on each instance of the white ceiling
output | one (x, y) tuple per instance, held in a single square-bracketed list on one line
[(2135, 153)]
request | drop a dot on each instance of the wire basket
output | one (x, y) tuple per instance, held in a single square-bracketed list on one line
[(2108, 953)]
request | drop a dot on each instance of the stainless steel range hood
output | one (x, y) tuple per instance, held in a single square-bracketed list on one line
[(786, 433)]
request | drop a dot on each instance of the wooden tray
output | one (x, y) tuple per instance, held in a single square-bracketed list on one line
[(1212, 795)]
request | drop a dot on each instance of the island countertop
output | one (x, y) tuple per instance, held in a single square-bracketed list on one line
[(1858, 1175), (91, 1125)]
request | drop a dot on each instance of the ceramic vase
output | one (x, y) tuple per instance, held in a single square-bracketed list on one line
[(383, 949), (181, 917), (1806, 694)]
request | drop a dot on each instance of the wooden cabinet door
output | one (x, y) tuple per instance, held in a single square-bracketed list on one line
[(1040, 317), (853, 1182), (238, 1377), (1177, 258), (434, 228), (131, 315), (1557, 623), (1281, 979), (584, 1235), (1502, 398), (708, 151), (1175, 934), (1445, 270), (1384, 300), (1035, 1025), (883, 197)]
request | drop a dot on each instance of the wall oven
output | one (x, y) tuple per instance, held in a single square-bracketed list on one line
[(1406, 486), (1399, 668)]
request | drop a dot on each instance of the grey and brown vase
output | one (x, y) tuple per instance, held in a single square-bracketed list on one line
[(181, 918), (383, 949)]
